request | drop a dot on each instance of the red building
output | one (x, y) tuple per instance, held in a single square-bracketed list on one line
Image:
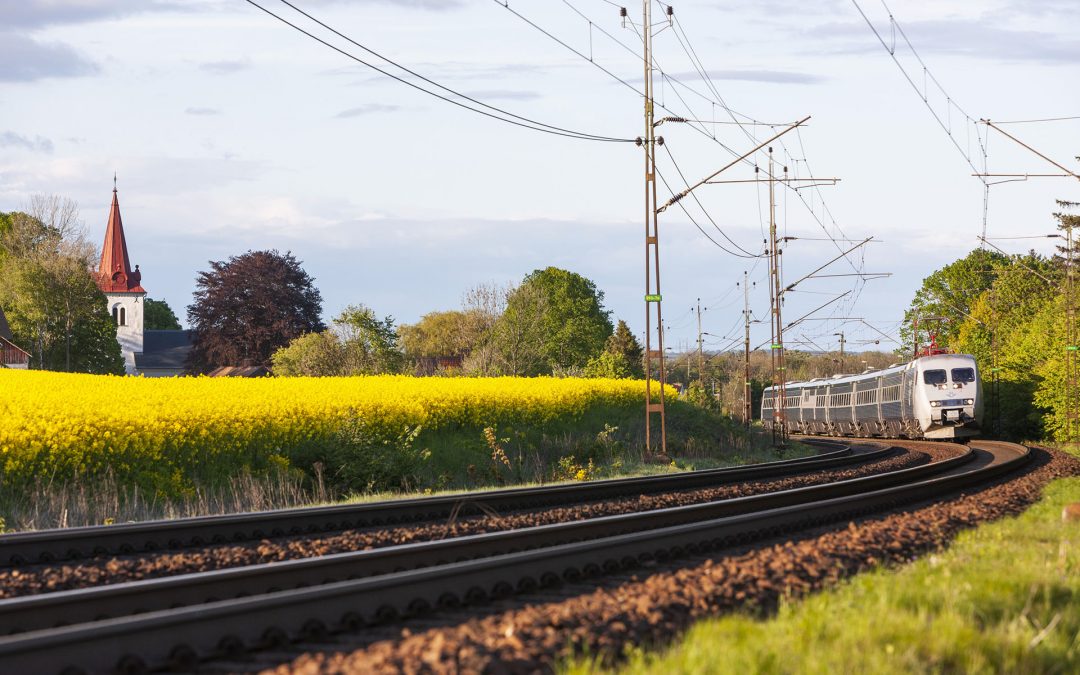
[(10, 355)]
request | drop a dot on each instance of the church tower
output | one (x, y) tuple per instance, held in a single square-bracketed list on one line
[(121, 287)]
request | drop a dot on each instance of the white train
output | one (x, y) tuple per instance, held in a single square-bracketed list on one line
[(934, 397)]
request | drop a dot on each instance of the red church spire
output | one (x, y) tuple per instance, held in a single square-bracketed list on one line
[(114, 273)]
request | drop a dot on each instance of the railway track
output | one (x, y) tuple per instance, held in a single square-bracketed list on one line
[(142, 628), (48, 546)]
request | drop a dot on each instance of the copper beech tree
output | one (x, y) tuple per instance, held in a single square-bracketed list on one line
[(248, 307)]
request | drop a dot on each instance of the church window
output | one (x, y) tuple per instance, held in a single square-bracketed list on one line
[(119, 315), (123, 316)]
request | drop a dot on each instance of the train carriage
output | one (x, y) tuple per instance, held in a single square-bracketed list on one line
[(933, 397)]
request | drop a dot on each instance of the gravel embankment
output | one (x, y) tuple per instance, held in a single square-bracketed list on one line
[(46, 578), (657, 607)]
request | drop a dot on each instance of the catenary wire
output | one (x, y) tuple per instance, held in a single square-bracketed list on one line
[(530, 124)]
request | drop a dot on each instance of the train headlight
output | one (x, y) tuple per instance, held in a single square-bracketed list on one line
[(969, 401), (935, 404)]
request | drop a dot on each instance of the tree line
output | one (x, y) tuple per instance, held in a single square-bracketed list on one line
[(1010, 312), (262, 308)]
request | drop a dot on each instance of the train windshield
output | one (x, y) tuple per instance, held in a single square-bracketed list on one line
[(963, 374), (935, 376)]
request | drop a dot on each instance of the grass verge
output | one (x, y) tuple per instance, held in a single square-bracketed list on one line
[(1004, 597), (536, 457)]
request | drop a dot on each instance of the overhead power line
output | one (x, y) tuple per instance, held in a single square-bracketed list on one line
[(1045, 119), (927, 77), (495, 112)]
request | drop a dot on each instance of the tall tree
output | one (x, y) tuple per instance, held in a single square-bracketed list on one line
[(52, 301), (157, 315), (371, 344), (624, 343), (518, 335), (554, 322), (482, 305), (248, 307), (948, 293)]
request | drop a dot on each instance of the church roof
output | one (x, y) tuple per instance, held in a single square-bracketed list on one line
[(114, 272)]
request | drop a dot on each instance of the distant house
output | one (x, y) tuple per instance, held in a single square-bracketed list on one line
[(11, 356), (429, 365), (164, 353)]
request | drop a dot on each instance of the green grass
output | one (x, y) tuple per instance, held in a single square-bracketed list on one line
[(1004, 597), (49, 505), (612, 438)]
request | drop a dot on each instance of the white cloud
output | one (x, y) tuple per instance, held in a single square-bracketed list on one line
[(10, 139), (24, 59)]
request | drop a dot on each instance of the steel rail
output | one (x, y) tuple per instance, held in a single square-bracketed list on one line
[(47, 610), (73, 543), (181, 638)]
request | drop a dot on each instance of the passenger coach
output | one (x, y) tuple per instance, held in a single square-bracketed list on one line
[(934, 397)]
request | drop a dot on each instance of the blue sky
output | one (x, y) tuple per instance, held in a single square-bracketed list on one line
[(229, 131)]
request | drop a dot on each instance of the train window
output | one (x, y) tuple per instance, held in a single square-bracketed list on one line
[(934, 377), (963, 374)]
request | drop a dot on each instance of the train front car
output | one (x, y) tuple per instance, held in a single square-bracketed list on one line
[(947, 397)]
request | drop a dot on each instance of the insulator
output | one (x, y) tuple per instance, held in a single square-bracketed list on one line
[(756, 169), (659, 140), (638, 141), (785, 169), (670, 10), (622, 12)]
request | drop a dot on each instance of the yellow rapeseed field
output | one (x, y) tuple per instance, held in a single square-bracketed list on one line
[(162, 433)]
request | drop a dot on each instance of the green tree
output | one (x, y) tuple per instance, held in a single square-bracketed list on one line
[(371, 344), (312, 355), (157, 315), (624, 343), (358, 343), (450, 333), (948, 293), (53, 304), (518, 335), (553, 322), (609, 364)]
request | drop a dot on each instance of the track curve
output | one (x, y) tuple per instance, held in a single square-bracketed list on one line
[(180, 637)]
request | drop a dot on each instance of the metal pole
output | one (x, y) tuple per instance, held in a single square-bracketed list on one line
[(652, 251), (1071, 346), (688, 352), (748, 411), (777, 346), (700, 350)]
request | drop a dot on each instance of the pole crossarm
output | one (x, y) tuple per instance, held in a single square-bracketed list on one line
[(1028, 147), (1024, 175), (816, 309), (813, 182), (879, 332), (811, 274), (680, 195)]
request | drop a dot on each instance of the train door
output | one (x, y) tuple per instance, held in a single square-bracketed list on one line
[(880, 417), (907, 388)]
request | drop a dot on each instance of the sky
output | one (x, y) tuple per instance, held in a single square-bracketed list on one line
[(230, 131)]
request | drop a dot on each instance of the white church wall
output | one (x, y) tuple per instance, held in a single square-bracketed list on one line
[(130, 333)]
